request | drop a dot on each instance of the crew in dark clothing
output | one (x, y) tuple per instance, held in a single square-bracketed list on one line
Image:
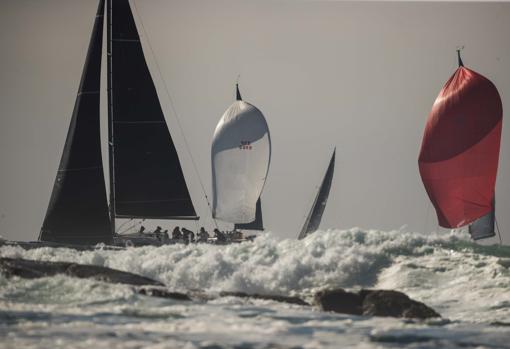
[(165, 236), (142, 229), (203, 235), (188, 235), (220, 237), (176, 234), (157, 233)]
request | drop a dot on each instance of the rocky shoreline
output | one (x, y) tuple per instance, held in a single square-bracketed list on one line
[(387, 303)]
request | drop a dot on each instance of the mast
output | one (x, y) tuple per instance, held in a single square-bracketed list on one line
[(110, 115), (461, 64), (238, 94)]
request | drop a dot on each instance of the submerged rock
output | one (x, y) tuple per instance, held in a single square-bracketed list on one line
[(276, 298), (396, 304), (35, 269), (339, 301), (162, 292), (373, 303)]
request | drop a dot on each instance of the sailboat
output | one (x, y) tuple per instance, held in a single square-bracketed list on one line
[(240, 158), (313, 220), (459, 154), (145, 176)]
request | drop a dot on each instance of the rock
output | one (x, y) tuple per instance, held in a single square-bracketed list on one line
[(276, 298), (161, 292), (373, 303), (395, 304), (339, 301), (35, 269)]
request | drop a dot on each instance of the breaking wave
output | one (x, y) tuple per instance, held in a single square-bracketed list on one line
[(461, 279)]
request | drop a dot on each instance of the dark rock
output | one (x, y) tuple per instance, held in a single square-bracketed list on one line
[(339, 301), (395, 304), (162, 293), (373, 303), (35, 269), (276, 298)]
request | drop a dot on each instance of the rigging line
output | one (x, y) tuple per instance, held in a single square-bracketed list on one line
[(499, 232), (123, 224), (175, 113), (130, 227), (127, 229)]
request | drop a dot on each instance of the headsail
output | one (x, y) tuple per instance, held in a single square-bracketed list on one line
[(147, 176), (460, 151), (313, 219), (483, 227), (240, 156), (257, 224), (78, 209)]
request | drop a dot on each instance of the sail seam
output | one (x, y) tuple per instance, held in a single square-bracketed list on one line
[(138, 122), (87, 92), (125, 40), (141, 201), (81, 169)]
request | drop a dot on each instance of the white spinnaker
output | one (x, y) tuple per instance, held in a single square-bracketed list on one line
[(240, 155)]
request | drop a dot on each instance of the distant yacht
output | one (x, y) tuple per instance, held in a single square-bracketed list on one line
[(240, 157), (460, 152), (313, 220)]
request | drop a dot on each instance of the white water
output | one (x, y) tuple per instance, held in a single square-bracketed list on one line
[(468, 284)]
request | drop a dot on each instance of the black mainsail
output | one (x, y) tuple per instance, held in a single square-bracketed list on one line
[(314, 217), (147, 179), (78, 208)]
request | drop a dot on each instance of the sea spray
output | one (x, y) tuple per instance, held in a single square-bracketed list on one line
[(467, 283), (443, 270)]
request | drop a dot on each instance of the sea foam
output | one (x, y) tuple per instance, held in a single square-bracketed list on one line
[(460, 279)]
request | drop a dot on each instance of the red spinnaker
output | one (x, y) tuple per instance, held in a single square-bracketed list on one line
[(460, 149)]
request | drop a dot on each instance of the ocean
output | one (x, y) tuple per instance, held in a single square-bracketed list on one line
[(468, 284)]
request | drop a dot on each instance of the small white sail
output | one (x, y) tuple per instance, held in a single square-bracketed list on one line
[(240, 155)]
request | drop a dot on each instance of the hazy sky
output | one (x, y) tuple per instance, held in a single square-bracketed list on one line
[(358, 76)]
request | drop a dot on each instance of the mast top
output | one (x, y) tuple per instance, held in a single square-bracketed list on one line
[(238, 94), (461, 64)]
